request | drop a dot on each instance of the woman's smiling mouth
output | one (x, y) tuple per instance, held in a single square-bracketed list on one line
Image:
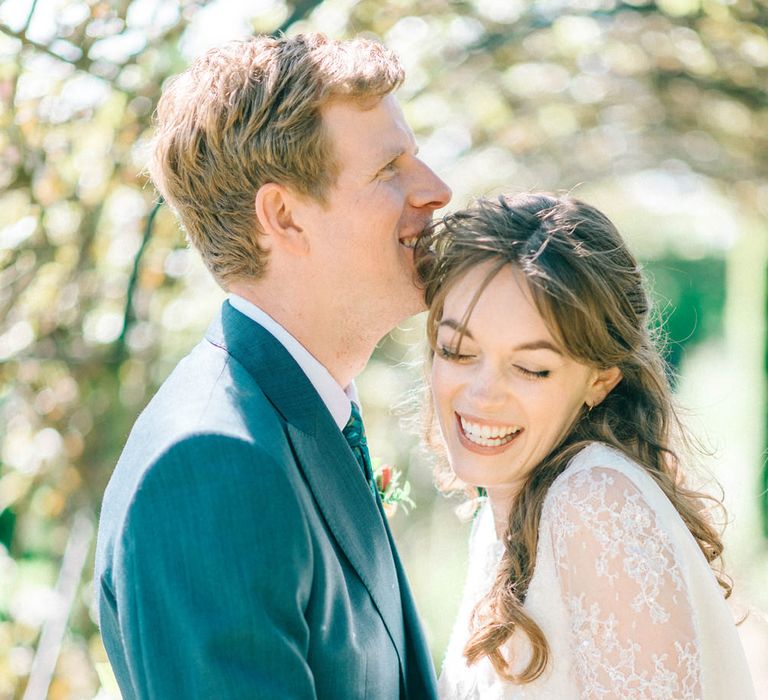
[(485, 438)]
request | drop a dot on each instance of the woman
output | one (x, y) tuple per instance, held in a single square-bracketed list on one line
[(590, 560)]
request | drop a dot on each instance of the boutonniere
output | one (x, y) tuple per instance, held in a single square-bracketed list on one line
[(394, 489)]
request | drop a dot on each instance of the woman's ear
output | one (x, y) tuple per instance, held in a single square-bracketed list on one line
[(604, 382), (275, 211)]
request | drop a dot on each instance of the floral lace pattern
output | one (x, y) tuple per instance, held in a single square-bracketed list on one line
[(631, 620), (626, 600)]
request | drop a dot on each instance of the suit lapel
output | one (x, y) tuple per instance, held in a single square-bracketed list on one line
[(420, 681), (331, 470), (350, 511)]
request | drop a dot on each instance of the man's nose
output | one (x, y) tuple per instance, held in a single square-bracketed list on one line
[(429, 190)]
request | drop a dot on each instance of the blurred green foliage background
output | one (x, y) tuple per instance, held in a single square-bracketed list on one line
[(657, 112)]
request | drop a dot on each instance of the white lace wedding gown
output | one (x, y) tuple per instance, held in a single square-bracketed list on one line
[(628, 604)]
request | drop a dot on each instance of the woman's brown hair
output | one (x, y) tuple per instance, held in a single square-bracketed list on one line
[(591, 292)]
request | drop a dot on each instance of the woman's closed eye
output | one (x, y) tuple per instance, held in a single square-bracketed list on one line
[(452, 354), (533, 374)]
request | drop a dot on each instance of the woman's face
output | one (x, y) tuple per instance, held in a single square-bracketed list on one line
[(509, 393)]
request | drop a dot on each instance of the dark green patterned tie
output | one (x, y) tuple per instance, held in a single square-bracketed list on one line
[(354, 432)]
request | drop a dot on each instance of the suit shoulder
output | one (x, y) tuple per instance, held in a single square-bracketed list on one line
[(203, 486), (207, 387), (208, 392)]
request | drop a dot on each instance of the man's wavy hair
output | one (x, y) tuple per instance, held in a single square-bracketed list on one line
[(248, 113), (590, 291)]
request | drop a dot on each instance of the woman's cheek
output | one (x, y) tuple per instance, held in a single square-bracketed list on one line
[(438, 386)]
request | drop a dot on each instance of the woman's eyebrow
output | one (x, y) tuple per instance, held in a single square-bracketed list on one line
[(450, 323), (541, 344)]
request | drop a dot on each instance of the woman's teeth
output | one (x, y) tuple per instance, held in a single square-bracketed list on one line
[(488, 435), (409, 242)]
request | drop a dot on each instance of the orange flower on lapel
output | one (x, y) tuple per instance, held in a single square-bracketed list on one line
[(394, 490)]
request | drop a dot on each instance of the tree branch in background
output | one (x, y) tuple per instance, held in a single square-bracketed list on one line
[(30, 14), (128, 315), (82, 63)]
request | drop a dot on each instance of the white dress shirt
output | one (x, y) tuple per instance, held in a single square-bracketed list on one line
[(336, 399)]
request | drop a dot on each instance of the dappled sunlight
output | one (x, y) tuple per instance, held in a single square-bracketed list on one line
[(653, 112)]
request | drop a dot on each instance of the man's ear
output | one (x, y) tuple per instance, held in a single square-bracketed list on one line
[(275, 210), (604, 382)]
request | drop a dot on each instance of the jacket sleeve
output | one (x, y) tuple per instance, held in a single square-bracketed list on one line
[(212, 574)]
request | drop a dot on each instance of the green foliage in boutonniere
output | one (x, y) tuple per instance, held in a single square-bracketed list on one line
[(394, 489)]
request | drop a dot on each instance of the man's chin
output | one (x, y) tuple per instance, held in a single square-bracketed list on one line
[(416, 293), (407, 307)]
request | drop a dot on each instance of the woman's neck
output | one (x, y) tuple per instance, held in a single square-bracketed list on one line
[(502, 499)]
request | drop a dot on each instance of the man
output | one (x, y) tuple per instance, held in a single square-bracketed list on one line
[(242, 552)]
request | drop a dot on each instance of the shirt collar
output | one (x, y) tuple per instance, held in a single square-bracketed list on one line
[(336, 399)]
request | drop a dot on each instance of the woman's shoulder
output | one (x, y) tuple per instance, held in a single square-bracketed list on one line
[(600, 454), (607, 506), (601, 474), (596, 458)]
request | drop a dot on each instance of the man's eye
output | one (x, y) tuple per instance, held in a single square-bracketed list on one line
[(388, 169)]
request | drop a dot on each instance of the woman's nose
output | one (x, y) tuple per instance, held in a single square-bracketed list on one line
[(487, 388)]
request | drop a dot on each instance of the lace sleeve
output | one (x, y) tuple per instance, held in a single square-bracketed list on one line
[(631, 622)]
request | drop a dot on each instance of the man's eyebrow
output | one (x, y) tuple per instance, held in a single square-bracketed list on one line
[(532, 345), (390, 154)]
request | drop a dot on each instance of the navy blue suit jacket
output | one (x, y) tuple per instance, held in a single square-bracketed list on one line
[(240, 551)]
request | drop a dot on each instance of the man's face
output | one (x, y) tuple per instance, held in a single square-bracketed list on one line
[(362, 239)]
